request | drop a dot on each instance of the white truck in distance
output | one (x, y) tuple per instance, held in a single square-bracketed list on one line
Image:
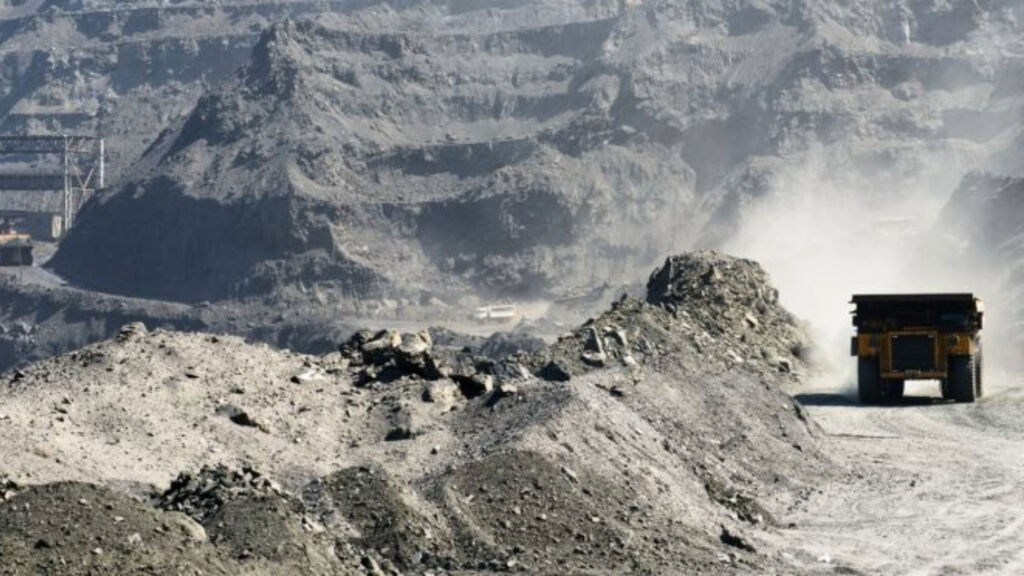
[(496, 313)]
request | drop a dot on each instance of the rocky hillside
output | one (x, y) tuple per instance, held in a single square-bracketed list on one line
[(984, 215), (981, 231), (122, 70), (534, 146), (161, 451)]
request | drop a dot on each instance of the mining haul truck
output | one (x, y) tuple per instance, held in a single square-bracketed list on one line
[(917, 337)]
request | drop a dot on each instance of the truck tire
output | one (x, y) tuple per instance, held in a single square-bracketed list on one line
[(869, 382), (892, 390), (979, 390), (961, 378)]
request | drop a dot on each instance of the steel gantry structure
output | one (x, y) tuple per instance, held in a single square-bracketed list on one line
[(80, 173)]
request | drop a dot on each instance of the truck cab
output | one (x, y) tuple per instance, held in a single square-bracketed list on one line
[(904, 337)]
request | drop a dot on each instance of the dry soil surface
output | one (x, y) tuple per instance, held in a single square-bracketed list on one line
[(654, 439), (935, 487), (644, 442)]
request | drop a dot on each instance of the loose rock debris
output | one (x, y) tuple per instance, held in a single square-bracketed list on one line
[(634, 444)]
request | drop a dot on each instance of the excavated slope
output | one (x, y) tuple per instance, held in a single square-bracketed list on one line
[(538, 146), (122, 70), (981, 232)]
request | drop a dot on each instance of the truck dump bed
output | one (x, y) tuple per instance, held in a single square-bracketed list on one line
[(956, 312)]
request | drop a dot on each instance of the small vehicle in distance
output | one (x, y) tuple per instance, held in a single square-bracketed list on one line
[(497, 313), (15, 248)]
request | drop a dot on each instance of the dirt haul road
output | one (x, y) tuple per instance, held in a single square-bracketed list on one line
[(935, 487)]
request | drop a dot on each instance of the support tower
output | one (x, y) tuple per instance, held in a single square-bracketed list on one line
[(34, 187)]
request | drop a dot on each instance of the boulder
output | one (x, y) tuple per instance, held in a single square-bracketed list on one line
[(444, 393), (131, 330), (554, 372), (476, 385)]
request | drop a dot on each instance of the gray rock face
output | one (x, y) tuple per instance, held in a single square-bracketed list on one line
[(979, 234), (282, 172), (536, 146), (985, 212), (123, 70)]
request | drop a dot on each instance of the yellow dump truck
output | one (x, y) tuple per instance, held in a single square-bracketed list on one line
[(15, 249), (904, 337)]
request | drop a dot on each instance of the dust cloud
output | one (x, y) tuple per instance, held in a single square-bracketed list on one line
[(825, 235)]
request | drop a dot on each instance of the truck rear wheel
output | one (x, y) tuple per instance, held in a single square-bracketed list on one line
[(869, 382), (961, 378)]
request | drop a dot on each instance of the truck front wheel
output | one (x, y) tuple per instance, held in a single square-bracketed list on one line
[(868, 380), (961, 378), (893, 390)]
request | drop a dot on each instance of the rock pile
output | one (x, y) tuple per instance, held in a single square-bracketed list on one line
[(726, 297), (202, 494), (386, 356), (497, 346), (703, 310)]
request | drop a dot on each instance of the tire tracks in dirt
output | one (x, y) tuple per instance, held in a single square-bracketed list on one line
[(933, 488)]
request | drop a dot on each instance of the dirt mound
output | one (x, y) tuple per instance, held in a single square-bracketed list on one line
[(703, 311), (73, 528), (273, 531), (530, 513), (398, 453), (248, 516), (371, 502)]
